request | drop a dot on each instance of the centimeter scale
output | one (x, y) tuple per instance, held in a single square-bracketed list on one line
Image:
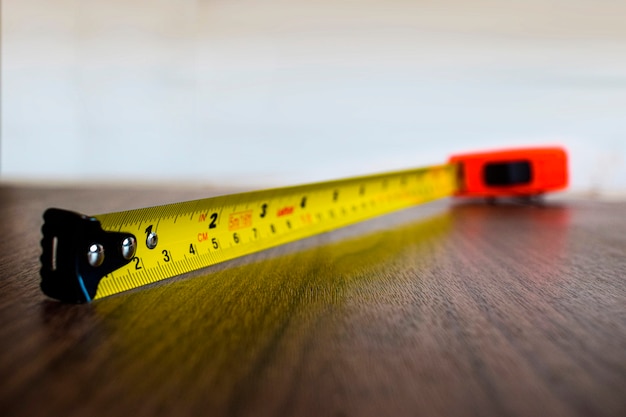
[(90, 257)]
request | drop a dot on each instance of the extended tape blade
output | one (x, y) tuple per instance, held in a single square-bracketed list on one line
[(156, 243)]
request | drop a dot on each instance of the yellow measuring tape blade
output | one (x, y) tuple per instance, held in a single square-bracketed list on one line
[(178, 238)]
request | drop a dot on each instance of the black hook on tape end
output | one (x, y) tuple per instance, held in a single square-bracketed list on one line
[(77, 254)]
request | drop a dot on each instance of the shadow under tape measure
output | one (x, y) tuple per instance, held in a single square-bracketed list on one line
[(224, 327)]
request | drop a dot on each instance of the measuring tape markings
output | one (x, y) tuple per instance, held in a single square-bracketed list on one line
[(196, 234)]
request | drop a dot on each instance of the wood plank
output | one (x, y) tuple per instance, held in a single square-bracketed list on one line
[(447, 309)]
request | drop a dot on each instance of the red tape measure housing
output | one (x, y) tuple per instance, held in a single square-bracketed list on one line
[(511, 173)]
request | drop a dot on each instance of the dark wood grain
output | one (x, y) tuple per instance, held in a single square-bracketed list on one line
[(448, 309)]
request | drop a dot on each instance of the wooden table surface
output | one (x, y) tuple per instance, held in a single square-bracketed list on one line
[(447, 309)]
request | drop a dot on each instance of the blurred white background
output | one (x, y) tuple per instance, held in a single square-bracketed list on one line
[(279, 92)]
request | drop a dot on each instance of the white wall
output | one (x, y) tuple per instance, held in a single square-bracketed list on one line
[(279, 92)]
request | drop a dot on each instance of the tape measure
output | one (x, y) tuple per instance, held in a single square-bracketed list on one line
[(90, 257)]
